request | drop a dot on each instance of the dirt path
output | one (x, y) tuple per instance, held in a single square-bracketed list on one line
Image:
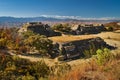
[(34, 59), (50, 62)]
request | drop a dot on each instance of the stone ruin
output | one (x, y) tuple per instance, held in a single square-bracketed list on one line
[(38, 27), (76, 49), (87, 29)]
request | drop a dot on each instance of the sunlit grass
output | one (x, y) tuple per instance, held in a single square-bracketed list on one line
[(69, 38)]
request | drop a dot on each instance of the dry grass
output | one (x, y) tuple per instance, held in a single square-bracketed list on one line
[(110, 35), (69, 38), (92, 71)]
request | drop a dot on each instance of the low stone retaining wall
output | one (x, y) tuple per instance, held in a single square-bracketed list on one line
[(76, 48)]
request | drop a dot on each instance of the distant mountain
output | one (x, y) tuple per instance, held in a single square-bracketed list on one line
[(14, 21), (29, 19)]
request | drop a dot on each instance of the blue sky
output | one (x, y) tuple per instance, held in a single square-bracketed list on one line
[(83, 8)]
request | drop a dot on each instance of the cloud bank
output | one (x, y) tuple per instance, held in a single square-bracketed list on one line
[(79, 17)]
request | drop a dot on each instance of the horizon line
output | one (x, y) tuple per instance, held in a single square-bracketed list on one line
[(68, 17)]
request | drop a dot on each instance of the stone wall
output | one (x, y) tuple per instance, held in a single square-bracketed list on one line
[(87, 29), (76, 48), (38, 27)]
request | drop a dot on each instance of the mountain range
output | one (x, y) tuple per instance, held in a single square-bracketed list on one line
[(18, 21)]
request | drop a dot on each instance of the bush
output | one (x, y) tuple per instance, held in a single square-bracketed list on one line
[(91, 51), (62, 27), (40, 43), (110, 29), (27, 77), (60, 68), (103, 56), (39, 69), (28, 34), (13, 67)]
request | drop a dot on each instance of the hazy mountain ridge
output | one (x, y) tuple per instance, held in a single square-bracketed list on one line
[(18, 21)]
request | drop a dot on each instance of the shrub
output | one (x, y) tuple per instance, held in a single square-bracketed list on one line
[(27, 77), (13, 67), (40, 43), (62, 27), (110, 29), (39, 69), (91, 51), (60, 68), (28, 34), (103, 56)]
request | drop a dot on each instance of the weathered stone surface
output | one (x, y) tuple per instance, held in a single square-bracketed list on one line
[(38, 27), (76, 48), (87, 29)]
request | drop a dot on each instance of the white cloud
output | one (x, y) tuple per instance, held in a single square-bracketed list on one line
[(79, 17)]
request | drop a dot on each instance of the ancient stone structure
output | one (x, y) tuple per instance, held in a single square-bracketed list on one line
[(75, 49), (38, 27), (87, 29)]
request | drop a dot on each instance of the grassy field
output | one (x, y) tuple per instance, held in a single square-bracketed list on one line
[(69, 38), (109, 35)]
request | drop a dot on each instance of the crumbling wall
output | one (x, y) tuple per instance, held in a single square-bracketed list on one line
[(87, 29), (39, 28), (76, 48)]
